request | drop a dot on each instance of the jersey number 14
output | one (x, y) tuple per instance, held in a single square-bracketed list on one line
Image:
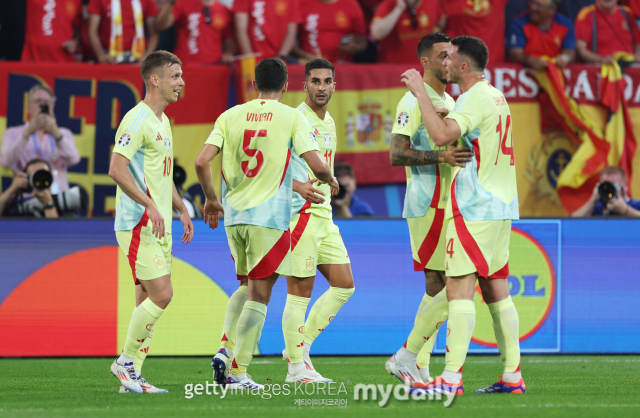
[(502, 140)]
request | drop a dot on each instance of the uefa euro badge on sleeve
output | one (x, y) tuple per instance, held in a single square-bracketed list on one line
[(327, 139), (124, 140), (159, 262), (167, 144), (403, 119)]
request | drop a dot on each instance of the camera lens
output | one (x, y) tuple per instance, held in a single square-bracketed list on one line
[(607, 191), (40, 180), (341, 192)]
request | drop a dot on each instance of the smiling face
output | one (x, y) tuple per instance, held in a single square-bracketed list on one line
[(170, 82), (320, 86)]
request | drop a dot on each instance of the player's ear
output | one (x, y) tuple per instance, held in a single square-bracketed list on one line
[(254, 85), (304, 86), (284, 88)]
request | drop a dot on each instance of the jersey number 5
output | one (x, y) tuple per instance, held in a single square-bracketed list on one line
[(248, 134), (503, 139)]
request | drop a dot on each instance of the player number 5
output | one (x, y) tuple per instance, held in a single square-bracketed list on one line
[(503, 142), (248, 134)]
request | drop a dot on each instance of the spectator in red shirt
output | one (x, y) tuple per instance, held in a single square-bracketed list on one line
[(541, 32), (399, 25), (483, 19), (615, 31), (201, 26), (113, 48), (266, 27), (331, 29), (52, 30)]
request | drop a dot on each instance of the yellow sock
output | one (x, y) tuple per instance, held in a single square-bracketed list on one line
[(141, 355), (234, 309), (428, 319), (142, 321), (293, 326), (462, 320), (506, 325), (324, 310), (249, 330)]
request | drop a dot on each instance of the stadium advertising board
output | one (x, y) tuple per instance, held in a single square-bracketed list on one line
[(66, 290)]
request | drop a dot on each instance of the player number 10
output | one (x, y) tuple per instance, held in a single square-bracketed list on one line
[(167, 166), (502, 140)]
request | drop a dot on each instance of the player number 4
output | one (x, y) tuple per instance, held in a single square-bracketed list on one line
[(502, 140), (248, 134), (449, 249)]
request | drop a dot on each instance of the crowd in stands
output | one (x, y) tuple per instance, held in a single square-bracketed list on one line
[(343, 31)]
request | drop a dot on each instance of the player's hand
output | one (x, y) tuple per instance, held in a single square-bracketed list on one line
[(457, 156), (211, 209), (185, 219), (310, 193), (537, 63), (335, 186), (595, 195), (70, 46), (157, 222), (413, 80), (442, 111)]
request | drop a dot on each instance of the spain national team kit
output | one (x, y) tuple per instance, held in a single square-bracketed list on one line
[(427, 185), (257, 194), (148, 144), (315, 239)]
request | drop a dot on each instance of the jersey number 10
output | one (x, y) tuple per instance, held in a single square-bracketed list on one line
[(502, 140)]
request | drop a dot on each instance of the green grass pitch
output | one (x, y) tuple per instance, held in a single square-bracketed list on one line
[(558, 386)]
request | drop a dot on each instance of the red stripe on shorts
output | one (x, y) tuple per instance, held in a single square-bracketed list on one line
[(503, 273), (270, 263), (135, 244), (299, 229), (435, 199), (237, 275), (430, 243), (466, 239)]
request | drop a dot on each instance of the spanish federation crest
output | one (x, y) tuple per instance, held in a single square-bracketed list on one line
[(167, 144), (403, 119), (327, 140)]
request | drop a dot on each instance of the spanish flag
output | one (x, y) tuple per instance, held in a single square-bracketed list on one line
[(599, 148), (244, 74)]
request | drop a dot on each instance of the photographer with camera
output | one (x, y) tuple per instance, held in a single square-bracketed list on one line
[(610, 197), (42, 138), (37, 180), (346, 204)]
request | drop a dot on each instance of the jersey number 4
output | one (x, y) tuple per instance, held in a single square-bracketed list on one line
[(503, 139), (248, 134)]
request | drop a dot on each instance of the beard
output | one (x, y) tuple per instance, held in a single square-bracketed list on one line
[(318, 103), (441, 76)]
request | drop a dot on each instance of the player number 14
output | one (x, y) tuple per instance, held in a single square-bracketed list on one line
[(502, 140)]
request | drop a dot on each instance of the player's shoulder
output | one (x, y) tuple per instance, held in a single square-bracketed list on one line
[(584, 12), (136, 118), (562, 20)]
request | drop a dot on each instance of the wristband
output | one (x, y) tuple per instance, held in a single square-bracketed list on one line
[(49, 205)]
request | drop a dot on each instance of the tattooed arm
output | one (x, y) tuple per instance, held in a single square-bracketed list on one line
[(401, 154)]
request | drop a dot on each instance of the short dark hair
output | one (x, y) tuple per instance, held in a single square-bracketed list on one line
[(426, 43), (343, 169), (318, 64), (472, 48), (155, 61), (614, 169), (36, 161), (271, 75)]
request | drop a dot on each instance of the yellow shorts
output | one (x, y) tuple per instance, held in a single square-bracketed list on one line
[(258, 251), (427, 240), (149, 257), (481, 246), (315, 240)]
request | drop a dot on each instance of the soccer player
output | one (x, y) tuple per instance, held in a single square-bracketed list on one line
[(142, 167), (256, 140), (483, 203), (315, 239), (427, 192)]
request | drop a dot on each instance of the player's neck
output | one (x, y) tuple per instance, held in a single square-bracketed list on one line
[(470, 80), (270, 96), (437, 85), (321, 112), (156, 105)]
